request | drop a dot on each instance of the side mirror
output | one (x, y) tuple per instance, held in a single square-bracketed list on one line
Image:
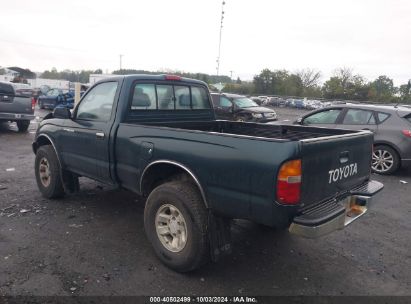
[(299, 121), (62, 113)]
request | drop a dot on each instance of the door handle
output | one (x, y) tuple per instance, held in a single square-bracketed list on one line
[(100, 135), (69, 130)]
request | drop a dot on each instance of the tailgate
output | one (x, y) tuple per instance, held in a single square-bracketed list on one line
[(331, 166), (15, 104)]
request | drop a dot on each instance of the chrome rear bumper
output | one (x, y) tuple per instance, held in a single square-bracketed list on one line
[(326, 217)]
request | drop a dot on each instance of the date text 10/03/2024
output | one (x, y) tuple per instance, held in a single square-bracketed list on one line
[(199, 299)]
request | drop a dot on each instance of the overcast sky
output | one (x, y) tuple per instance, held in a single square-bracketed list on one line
[(371, 36)]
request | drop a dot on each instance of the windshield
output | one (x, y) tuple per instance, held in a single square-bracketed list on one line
[(244, 102)]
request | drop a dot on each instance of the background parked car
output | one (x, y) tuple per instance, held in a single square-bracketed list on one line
[(391, 126), (22, 89), (56, 97), (240, 108), (264, 99), (313, 105), (257, 100), (289, 102), (29, 92), (15, 106), (299, 103), (276, 102)]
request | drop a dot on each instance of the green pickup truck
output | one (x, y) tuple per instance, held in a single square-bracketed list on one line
[(158, 137)]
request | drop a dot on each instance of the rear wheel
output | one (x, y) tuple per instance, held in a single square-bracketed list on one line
[(47, 170), (175, 220), (385, 160), (23, 125)]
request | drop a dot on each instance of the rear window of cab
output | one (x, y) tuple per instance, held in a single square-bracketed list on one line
[(156, 96)]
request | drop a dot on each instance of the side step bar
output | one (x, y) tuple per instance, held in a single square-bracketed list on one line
[(331, 215)]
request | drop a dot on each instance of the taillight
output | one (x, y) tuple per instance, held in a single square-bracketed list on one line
[(406, 133), (33, 103), (172, 77), (289, 183)]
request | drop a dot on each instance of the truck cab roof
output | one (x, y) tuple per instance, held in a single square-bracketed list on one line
[(160, 77)]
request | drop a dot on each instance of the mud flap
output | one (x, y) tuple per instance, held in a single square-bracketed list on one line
[(219, 235), (70, 181)]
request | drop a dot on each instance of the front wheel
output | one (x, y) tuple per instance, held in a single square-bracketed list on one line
[(47, 170), (23, 125), (384, 160), (175, 220)]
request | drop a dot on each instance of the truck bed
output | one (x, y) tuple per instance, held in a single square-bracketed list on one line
[(277, 132), (238, 160)]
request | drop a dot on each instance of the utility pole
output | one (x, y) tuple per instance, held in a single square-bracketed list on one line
[(219, 42), (121, 56), (231, 75)]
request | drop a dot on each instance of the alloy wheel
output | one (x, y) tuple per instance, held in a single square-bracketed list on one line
[(382, 160), (171, 228), (44, 172)]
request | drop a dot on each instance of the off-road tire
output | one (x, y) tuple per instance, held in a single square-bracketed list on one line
[(55, 188), (186, 198)]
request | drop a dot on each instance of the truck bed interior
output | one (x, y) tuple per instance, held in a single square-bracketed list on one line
[(280, 132), (285, 132)]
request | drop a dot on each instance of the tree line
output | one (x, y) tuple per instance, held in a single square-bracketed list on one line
[(343, 85), (210, 79), (82, 76)]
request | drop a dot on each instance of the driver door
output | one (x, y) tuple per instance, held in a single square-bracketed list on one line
[(84, 142)]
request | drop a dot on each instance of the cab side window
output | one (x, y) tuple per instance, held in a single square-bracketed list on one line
[(98, 102)]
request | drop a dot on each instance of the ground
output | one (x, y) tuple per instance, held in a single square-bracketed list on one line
[(93, 243)]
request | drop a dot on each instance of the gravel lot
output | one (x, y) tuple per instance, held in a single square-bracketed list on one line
[(93, 243)]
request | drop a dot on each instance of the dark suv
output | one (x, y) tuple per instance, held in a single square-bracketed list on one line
[(240, 108), (391, 126)]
